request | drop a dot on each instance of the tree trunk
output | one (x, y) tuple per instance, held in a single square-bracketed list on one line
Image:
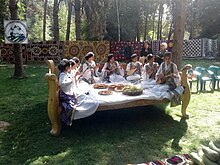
[(69, 20), (179, 28), (170, 30), (153, 25), (77, 19), (96, 18), (138, 31), (19, 69), (193, 20), (25, 2), (56, 20), (118, 20), (145, 27), (44, 20), (161, 21), (159, 24)]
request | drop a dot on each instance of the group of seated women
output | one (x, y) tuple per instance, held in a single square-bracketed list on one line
[(72, 71)]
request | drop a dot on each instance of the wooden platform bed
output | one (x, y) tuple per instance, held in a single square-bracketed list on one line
[(53, 101)]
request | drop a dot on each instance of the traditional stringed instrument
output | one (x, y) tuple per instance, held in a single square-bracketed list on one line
[(163, 79), (131, 71)]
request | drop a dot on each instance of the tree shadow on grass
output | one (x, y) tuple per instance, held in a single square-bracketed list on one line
[(109, 137)]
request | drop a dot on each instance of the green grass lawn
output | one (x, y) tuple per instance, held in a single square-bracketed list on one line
[(117, 137)]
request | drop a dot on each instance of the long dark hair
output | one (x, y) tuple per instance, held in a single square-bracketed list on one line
[(76, 60), (62, 68), (89, 55), (110, 57)]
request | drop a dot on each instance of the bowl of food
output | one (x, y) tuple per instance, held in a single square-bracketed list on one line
[(132, 90), (119, 88), (111, 87)]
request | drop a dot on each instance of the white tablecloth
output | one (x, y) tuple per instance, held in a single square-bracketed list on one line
[(151, 92)]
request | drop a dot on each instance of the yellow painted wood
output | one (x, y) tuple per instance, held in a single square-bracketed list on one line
[(53, 100), (186, 96)]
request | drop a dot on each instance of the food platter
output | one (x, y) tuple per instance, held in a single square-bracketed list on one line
[(100, 86), (132, 90), (119, 88), (116, 87), (111, 87), (105, 92)]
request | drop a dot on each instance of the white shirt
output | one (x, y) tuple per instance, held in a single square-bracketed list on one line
[(86, 71), (66, 83)]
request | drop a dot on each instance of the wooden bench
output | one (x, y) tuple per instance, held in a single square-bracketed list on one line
[(53, 100)]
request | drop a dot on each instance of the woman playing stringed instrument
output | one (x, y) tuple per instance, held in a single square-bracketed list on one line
[(134, 69), (168, 73), (111, 72), (150, 69), (89, 69)]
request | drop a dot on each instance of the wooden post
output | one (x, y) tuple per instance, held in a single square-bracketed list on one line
[(53, 99), (186, 96)]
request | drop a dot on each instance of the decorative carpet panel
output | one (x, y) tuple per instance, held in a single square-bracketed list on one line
[(182, 159), (192, 48), (210, 48), (7, 52), (117, 48), (41, 51), (80, 48)]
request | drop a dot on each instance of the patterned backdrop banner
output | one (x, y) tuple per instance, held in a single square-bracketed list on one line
[(7, 53), (117, 47), (80, 48), (41, 51), (192, 48)]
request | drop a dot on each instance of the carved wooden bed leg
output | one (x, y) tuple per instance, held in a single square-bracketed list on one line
[(187, 93), (53, 100), (53, 104)]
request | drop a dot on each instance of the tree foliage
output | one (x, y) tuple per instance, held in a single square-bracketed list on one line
[(3, 15), (111, 19)]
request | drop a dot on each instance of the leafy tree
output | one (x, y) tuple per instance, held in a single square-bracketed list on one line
[(56, 20), (95, 11), (209, 16), (3, 15), (77, 6)]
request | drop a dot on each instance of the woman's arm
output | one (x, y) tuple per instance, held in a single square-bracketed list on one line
[(64, 79)]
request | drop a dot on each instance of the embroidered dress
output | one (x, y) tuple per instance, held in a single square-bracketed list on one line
[(137, 73), (68, 104), (67, 98), (166, 69), (150, 67), (89, 72), (114, 74)]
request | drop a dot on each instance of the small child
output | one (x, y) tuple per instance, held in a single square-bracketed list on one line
[(150, 69), (133, 69), (168, 73), (67, 96)]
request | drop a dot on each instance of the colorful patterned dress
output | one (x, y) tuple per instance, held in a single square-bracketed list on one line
[(115, 73), (150, 67), (137, 73), (67, 98)]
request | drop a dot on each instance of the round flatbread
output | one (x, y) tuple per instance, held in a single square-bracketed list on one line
[(106, 92)]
